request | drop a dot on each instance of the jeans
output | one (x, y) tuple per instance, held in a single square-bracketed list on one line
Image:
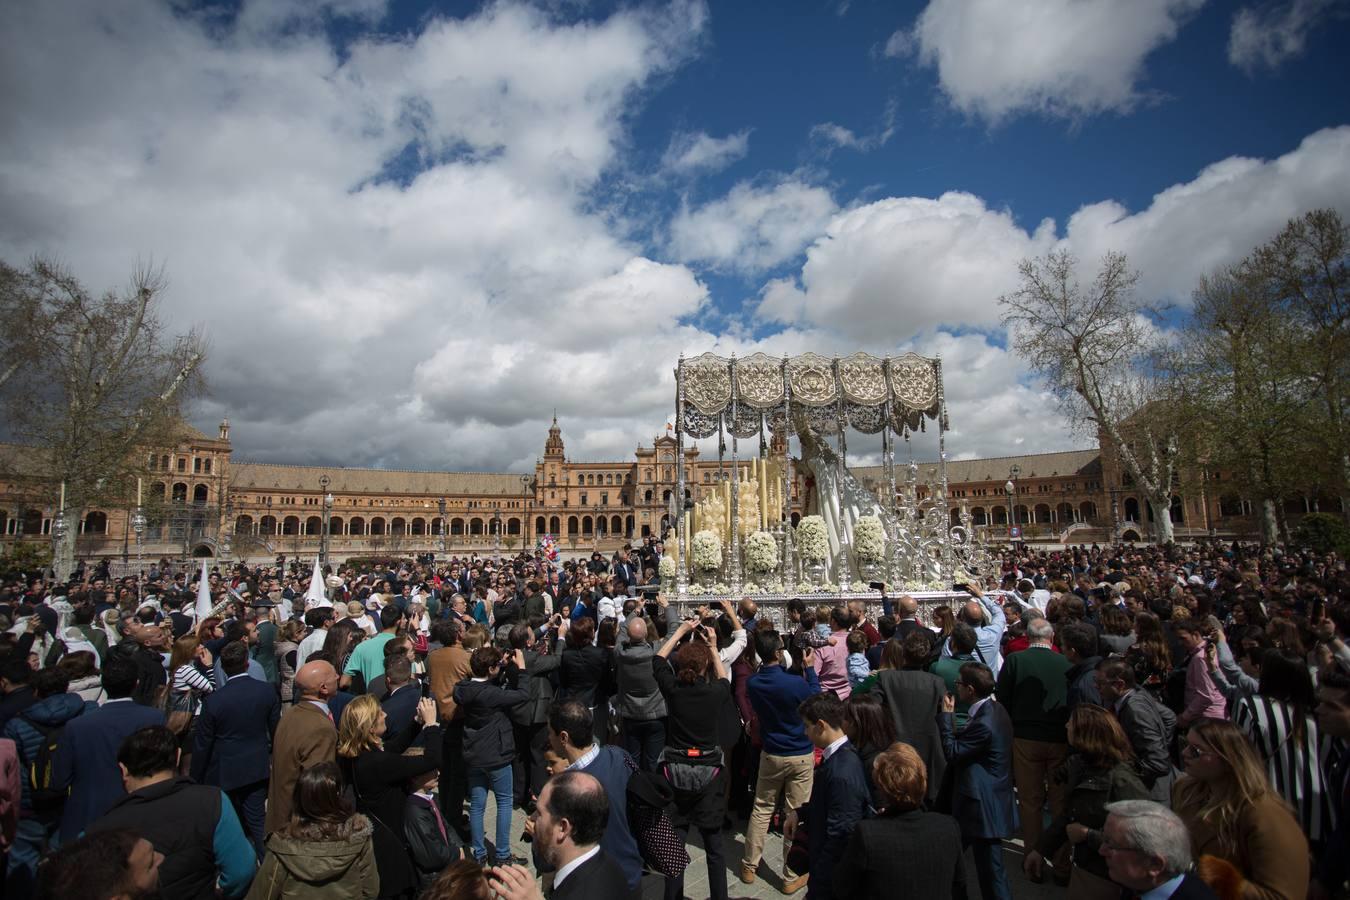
[(499, 782), (249, 803), (791, 775), (988, 853), (717, 867), (644, 739), (31, 840)]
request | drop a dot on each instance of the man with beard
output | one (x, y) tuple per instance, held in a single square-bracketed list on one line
[(109, 865)]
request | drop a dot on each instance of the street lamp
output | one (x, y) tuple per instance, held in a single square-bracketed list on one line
[(497, 529), (1010, 486), (324, 481), (138, 526), (440, 525)]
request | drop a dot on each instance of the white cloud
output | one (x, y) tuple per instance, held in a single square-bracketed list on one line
[(908, 264), (699, 151), (835, 136), (1065, 58), (1267, 37), (753, 227)]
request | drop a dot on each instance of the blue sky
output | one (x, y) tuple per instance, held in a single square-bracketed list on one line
[(414, 230)]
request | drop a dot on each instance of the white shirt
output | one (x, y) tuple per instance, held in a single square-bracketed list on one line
[(311, 644), (1164, 890), (573, 866), (586, 758), (829, 751), (974, 707)]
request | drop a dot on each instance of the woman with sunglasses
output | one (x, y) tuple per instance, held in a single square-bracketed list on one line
[(1236, 818)]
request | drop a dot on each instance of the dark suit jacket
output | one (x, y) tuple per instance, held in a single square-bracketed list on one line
[(839, 800), (586, 674), (401, 708), (1191, 888), (979, 767), (232, 742), (599, 876), (1149, 726), (86, 761), (915, 701), (911, 854)]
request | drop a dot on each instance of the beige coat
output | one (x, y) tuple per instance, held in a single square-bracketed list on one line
[(305, 737)]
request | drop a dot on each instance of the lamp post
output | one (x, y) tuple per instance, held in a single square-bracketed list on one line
[(497, 530), (440, 526), (1010, 486), (324, 481), (59, 529), (138, 526)]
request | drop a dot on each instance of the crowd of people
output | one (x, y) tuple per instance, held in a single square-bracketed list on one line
[(1149, 722)]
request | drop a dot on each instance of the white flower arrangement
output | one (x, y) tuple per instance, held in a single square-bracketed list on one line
[(869, 540), (666, 568), (718, 588), (813, 541), (761, 553), (706, 552)]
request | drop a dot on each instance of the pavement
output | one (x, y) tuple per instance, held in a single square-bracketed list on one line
[(768, 882)]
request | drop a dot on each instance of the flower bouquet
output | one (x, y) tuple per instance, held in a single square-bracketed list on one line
[(869, 539), (666, 569), (813, 539), (761, 553), (706, 553)]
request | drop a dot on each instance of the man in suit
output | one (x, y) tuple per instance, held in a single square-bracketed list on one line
[(979, 772), (86, 755), (568, 824), (914, 698), (839, 794), (446, 668), (305, 737), (1148, 850), (530, 719), (401, 694), (232, 744), (1146, 722)]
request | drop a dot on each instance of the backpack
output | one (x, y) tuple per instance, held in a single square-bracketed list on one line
[(46, 800)]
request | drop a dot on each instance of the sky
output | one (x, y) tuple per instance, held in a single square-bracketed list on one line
[(414, 232)]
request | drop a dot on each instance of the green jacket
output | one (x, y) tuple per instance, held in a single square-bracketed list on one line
[(339, 865), (1033, 687)]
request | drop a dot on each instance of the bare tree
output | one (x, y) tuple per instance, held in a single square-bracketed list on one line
[(104, 379), (1092, 346)]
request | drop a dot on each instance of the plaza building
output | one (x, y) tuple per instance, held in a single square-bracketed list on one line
[(201, 502)]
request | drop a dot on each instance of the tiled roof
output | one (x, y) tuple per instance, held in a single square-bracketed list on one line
[(251, 476), (1086, 463)]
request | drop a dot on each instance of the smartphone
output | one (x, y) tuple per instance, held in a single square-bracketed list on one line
[(961, 586), (426, 688), (878, 586)]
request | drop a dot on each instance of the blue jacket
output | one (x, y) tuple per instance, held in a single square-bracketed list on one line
[(232, 744), (840, 799), (86, 760), (775, 694), (49, 712), (979, 768), (612, 767), (988, 637), (401, 708)]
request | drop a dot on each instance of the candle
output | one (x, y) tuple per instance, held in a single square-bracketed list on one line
[(686, 537), (138, 491), (763, 496), (63, 497)]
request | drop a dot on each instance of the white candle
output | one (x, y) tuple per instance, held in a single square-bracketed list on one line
[(138, 491), (63, 497)]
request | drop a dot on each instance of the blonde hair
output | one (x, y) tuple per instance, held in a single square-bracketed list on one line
[(475, 637), (356, 731), (1221, 802)]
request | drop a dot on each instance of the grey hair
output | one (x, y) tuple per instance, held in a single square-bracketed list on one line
[(1040, 630), (1154, 830)]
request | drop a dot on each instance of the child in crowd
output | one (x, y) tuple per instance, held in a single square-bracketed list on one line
[(858, 667), (432, 843)]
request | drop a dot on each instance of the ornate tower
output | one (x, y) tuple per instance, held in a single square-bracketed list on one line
[(553, 447)]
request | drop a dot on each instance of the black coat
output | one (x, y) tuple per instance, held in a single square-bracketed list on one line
[(910, 854), (179, 818), (485, 708), (599, 876), (432, 846), (914, 699), (840, 799), (587, 674), (232, 737)]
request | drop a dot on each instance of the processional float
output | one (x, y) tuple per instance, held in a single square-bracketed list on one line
[(738, 539)]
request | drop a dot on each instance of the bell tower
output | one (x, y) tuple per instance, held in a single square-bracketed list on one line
[(553, 447)]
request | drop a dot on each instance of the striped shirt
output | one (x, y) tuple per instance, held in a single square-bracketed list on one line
[(189, 678), (1296, 767)]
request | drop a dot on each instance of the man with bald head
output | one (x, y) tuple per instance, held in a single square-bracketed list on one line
[(639, 703), (305, 737), (989, 622)]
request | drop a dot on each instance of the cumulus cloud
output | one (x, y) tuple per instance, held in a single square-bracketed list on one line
[(1267, 37), (753, 227), (699, 151), (912, 263), (833, 136), (1066, 58)]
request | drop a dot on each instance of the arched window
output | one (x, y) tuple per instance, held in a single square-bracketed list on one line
[(586, 525), (378, 527), (1131, 509), (180, 492), (290, 525), (399, 526), (243, 525), (456, 526), (615, 525), (1000, 515), (268, 526), (419, 526), (513, 526), (555, 526), (1042, 513), (357, 527), (601, 525), (1064, 512), (96, 523), (647, 497), (1023, 515), (978, 516), (1178, 511), (335, 525), (540, 526), (1230, 505), (954, 517), (646, 530), (314, 525), (475, 526), (199, 494), (572, 526), (628, 526), (164, 463), (665, 496)]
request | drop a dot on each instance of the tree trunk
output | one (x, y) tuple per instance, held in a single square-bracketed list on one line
[(1162, 518), (63, 555), (1270, 523)]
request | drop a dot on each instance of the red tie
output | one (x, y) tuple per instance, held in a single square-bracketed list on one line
[(440, 822)]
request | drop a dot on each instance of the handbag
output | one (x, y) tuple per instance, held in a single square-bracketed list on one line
[(658, 842), (180, 709)]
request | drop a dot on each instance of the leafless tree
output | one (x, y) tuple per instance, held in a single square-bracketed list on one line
[(100, 379), (1092, 345)]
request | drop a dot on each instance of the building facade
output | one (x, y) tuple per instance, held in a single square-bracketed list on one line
[(201, 502)]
